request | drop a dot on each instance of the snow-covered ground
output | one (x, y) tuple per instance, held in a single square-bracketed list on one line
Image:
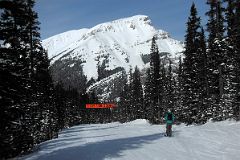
[(138, 140)]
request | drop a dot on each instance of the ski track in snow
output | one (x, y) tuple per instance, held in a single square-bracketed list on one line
[(138, 140)]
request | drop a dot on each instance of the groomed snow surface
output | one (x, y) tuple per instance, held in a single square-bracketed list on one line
[(138, 140)]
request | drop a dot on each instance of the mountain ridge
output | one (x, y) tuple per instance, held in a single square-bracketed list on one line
[(138, 32), (107, 48)]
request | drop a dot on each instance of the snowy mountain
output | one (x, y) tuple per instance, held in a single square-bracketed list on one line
[(119, 43), (138, 140)]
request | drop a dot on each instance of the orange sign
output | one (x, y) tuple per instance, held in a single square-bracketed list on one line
[(106, 105)]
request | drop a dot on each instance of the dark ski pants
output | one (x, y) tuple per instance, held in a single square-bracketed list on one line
[(169, 130)]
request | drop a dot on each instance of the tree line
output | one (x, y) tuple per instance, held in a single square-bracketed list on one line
[(211, 65), (148, 94), (32, 109)]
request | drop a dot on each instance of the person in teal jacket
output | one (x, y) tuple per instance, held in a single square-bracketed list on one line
[(169, 118)]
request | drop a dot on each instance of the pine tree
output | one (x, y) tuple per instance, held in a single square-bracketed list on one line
[(236, 39), (147, 96), (179, 92), (137, 94), (119, 112), (44, 114), (216, 55), (130, 105), (163, 83), (154, 82), (28, 111), (15, 91), (230, 18), (60, 99), (202, 78), (170, 96), (190, 65), (42, 108), (230, 62), (84, 98), (163, 87), (124, 104)]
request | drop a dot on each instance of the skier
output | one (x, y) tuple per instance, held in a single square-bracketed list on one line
[(169, 118)]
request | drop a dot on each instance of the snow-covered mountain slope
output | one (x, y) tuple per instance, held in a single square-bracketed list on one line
[(138, 140), (60, 42), (119, 43)]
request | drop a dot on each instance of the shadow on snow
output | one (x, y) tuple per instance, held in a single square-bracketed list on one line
[(100, 150)]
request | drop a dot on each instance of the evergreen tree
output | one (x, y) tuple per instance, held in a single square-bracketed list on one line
[(147, 96), (60, 100), (137, 94), (93, 112), (15, 91), (130, 95), (42, 108), (236, 39), (202, 78), (230, 62), (179, 92), (190, 67), (124, 103), (45, 113), (84, 98), (230, 18), (119, 112), (28, 112), (170, 88), (163, 87), (216, 58), (156, 109)]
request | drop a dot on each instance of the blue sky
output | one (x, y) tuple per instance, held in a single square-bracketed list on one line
[(57, 16)]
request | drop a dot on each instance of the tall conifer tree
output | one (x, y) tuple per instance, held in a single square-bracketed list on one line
[(190, 65), (155, 81), (216, 58), (236, 39), (137, 94)]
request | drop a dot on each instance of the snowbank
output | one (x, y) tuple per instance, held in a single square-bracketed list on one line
[(138, 122)]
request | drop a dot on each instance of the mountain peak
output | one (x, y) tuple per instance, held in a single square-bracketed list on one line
[(137, 18), (123, 24), (119, 43)]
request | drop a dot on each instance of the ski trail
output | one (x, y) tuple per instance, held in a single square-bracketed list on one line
[(138, 140)]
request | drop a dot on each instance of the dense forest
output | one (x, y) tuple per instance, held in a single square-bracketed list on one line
[(34, 108), (206, 84)]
